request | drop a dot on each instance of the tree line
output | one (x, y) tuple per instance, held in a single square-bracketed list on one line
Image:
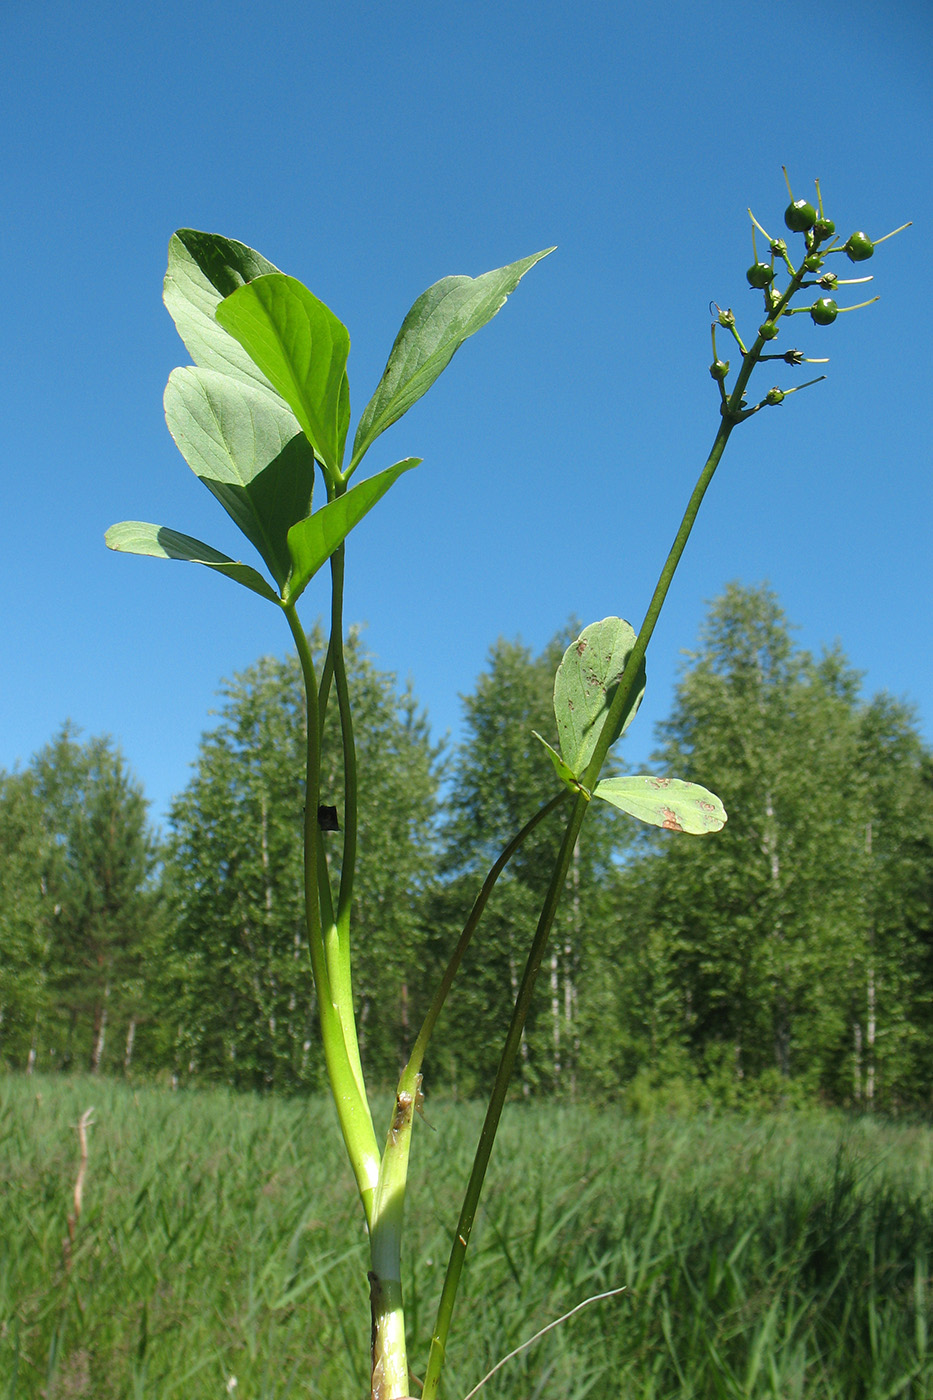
[(788, 957)]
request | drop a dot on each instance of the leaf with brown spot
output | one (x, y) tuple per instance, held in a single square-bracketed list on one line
[(586, 681), (685, 807)]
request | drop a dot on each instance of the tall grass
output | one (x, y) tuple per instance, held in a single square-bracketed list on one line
[(220, 1252)]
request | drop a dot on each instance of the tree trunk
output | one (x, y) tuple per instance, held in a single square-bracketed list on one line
[(100, 1031)]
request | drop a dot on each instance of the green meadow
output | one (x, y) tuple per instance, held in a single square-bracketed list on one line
[(220, 1251)]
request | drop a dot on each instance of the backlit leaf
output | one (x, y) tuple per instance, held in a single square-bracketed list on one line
[(314, 540), (440, 321), (585, 684), (665, 802), (247, 447), (203, 268), (137, 537), (301, 347)]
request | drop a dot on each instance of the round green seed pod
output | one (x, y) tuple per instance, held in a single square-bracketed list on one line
[(719, 369), (799, 216), (768, 330), (824, 228), (824, 311), (859, 247), (813, 262), (775, 395), (760, 275)]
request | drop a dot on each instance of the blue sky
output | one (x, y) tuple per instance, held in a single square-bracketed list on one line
[(370, 149)]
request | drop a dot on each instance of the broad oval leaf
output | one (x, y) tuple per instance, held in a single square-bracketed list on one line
[(440, 321), (247, 447), (312, 541), (666, 802), (203, 268), (302, 348), (138, 537), (585, 684)]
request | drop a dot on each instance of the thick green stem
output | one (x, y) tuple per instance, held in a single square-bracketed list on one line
[(350, 1100), (341, 968), (390, 1366), (389, 1352)]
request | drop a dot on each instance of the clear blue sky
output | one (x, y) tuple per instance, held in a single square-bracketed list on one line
[(370, 149)]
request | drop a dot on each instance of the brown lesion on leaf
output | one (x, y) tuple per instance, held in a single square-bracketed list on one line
[(670, 822), (659, 782), (582, 645)]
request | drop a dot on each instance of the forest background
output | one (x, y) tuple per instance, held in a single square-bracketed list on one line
[(786, 960)]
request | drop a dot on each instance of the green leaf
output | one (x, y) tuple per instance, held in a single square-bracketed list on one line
[(665, 802), (585, 684), (248, 449), (314, 540), (203, 268), (560, 767), (136, 537), (440, 321), (302, 348)]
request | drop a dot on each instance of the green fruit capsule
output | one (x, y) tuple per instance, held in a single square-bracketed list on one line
[(799, 216), (859, 247), (774, 396), (824, 228), (719, 369), (768, 330), (813, 262), (824, 311), (760, 275)]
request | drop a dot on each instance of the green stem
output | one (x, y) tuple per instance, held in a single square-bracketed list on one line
[(350, 1100), (341, 967), (497, 1102), (559, 875), (390, 1366), (407, 1083)]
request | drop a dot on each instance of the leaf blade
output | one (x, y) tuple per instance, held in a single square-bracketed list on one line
[(203, 268), (585, 684), (670, 803), (160, 542), (301, 347), (311, 542), (246, 446), (438, 323)]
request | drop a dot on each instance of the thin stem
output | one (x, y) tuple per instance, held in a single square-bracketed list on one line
[(352, 1108), (416, 1059), (497, 1101), (552, 898)]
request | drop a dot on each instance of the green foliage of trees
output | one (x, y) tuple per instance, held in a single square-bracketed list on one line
[(795, 946), (239, 1005), (78, 906), (788, 957)]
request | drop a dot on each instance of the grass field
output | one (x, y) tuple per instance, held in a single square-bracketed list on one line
[(221, 1254)]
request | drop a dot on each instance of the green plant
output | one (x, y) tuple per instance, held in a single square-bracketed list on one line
[(264, 408)]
